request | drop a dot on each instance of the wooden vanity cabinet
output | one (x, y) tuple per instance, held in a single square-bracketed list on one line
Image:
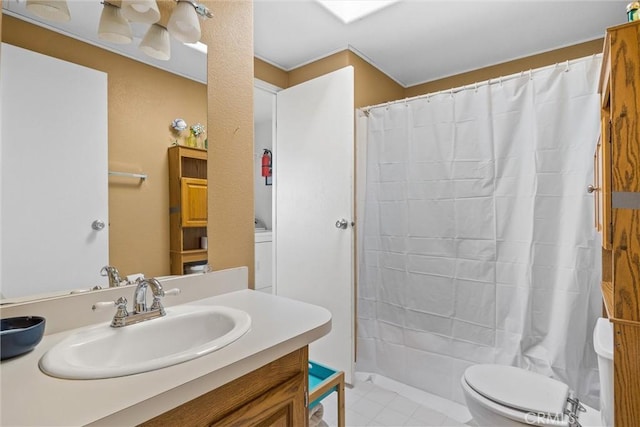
[(274, 395), (618, 178), (187, 206)]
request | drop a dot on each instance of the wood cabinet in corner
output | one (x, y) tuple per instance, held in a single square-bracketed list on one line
[(187, 207)]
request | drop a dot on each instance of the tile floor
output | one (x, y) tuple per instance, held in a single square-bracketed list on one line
[(367, 404)]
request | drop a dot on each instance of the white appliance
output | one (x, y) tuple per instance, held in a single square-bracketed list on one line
[(264, 260)]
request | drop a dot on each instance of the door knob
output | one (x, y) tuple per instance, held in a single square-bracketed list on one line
[(342, 223), (591, 189), (98, 224)]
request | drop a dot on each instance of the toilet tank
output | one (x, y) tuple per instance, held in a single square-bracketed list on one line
[(603, 345)]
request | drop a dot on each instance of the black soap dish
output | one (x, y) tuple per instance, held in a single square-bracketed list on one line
[(20, 335)]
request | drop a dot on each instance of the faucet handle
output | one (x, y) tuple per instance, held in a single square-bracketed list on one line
[(157, 305), (172, 292), (121, 310), (103, 304), (120, 304)]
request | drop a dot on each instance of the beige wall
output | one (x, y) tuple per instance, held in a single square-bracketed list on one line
[(371, 85), (269, 73), (143, 101), (230, 166), (318, 68)]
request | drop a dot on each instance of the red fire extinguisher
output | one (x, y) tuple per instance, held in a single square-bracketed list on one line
[(266, 163)]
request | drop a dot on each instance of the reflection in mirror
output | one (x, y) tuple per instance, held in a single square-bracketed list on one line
[(142, 101)]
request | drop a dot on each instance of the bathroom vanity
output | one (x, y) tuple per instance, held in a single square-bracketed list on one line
[(260, 379), (275, 394)]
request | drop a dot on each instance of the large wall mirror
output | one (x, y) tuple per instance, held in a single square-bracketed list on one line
[(144, 96)]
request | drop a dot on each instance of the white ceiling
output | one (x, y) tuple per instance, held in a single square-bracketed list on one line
[(415, 41)]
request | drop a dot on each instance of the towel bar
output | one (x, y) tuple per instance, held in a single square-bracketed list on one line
[(142, 176)]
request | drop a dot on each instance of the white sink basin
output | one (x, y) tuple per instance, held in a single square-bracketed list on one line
[(185, 333)]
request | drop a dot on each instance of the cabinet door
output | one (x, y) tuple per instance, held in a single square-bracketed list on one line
[(282, 406), (603, 184), (194, 202)]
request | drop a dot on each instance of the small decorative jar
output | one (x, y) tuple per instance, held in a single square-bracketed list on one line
[(633, 11), (191, 141)]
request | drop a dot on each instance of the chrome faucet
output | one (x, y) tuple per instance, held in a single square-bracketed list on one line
[(140, 310), (114, 276), (140, 296)]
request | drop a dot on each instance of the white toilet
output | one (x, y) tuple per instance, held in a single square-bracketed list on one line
[(499, 395)]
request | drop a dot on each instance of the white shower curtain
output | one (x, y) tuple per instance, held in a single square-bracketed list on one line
[(476, 236)]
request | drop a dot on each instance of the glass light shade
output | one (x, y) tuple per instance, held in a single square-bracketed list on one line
[(156, 43), (52, 10), (145, 11), (184, 24), (113, 27)]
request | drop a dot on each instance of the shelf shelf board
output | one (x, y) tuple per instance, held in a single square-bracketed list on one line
[(192, 255)]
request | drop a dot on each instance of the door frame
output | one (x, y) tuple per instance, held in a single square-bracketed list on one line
[(273, 89)]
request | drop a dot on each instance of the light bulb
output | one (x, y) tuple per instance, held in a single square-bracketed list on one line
[(183, 23), (156, 43), (113, 27), (144, 11), (51, 10)]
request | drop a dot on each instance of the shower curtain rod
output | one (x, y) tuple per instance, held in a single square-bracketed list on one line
[(476, 85)]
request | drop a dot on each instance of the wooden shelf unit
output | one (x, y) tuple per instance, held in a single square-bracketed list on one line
[(187, 206), (618, 211)]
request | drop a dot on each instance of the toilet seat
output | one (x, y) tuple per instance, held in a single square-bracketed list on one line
[(519, 389), (524, 397)]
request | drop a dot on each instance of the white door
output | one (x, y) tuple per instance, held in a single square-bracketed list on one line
[(314, 161), (53, 178)]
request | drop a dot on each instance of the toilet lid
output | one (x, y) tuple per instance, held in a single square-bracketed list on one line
[(518, 389)]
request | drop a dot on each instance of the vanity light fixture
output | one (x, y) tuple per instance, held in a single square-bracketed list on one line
[(156, 43), (183, 23), (144, 11), (53, 10), (113, 27)]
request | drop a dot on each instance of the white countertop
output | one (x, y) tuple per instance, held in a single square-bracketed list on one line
[(278, 327)]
